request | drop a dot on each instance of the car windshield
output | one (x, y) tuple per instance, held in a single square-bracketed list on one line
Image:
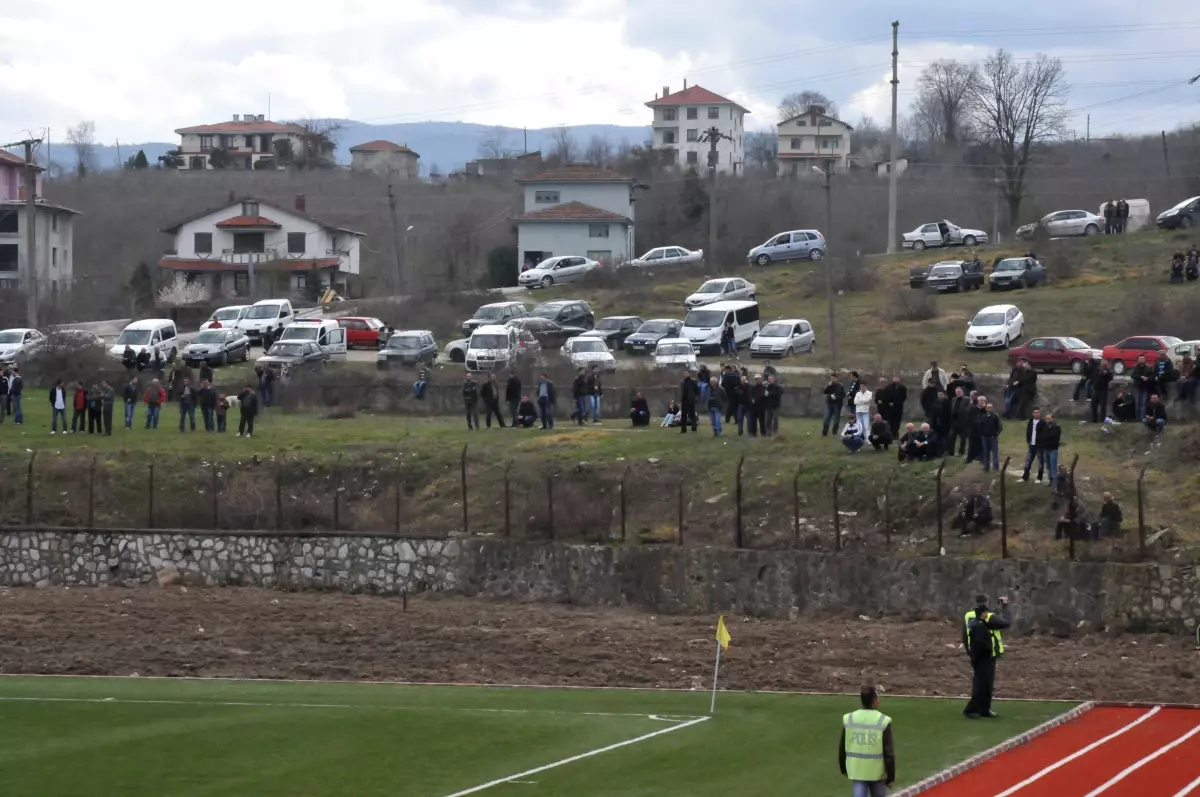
[(209, 336), (489, 342), (945, 271), (609, 323), (489, 312), (550, 311), (1012, 264), (712, 286), (1172, 341), (263, 311), (404, 342), (228, 314), (582, 344), (1074, 343), (12, 337), (705, 318), (988, 320), (298, 332), (777, 329), (134, 337), (654, 328), (286, 350), (1185, 203), (674, 350)]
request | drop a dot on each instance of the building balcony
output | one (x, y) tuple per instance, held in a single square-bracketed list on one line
[(247, 258), (337, 253)]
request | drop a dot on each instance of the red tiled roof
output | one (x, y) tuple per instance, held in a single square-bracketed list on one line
[(573, 211), (171, 230), (379, 145), (693, 95), (216, 264), (16, 160), (243, 127), (577, 173), (247, 221)]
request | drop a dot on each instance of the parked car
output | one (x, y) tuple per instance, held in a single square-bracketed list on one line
[(456, 350), (1189, 348), (791, 245), (995, 325), (667, 256), (650, 333), (1055, 354), (493, 347), (408, 347), (292, 354), (954, 276), (325, 332), (361, 331), (917, 276), (550, 334), (584, 352), (1063, 223), (942, 233), (721, 290), (568, 312), (1185, 215), (614, 329), (15, 342), (674, 353), (495, 313), (217, 347), (705, 326), (784, 338), (226, 317), (1016, 272), (1124, 355), (73, 340), (269, 314), (556, 270), (149, 335)]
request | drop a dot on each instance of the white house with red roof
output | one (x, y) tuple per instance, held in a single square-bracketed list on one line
[(680, 120), (246, 140), (285, 249), (578, 209), (53, 231), (385, 158), (813, 139)]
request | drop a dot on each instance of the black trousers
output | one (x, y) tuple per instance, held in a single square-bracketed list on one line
[(687, 416), (246, 424), (958, 436), (983, 683), (106, 414), (1099, 405), (490, 409), (95, 425), (472, 410)]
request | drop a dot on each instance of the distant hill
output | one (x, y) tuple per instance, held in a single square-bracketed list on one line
[(447, 145)]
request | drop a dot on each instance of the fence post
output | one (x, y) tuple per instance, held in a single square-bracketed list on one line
[(887, 508), (796, 506), (550, 500), (91, 524), (1141, 514), (1071, 502), (738, 540), (279, 492), (1004, 509), (216, 511), (337, 493), (681, 511), (29, 490), (941, 467), (462, 462), (624, 476), (507, 501), (837, 517), (399, 473), (150, 511)]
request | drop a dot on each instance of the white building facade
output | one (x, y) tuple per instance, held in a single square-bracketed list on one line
[(576, 210), (244, 141), (53, 232), (680, 120), (812, 139)]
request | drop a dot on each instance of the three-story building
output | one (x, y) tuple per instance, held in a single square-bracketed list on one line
[(681, 119)]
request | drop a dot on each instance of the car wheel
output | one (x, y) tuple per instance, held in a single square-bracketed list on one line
[(1118, 368), (918, 246), (1076, 366), (1185, 222), (224, 358), (457, 356), (992, 286), (1007, 341), (753, 297), (969, 240), (762, 260), (589, 324), (1091, 229), (789, 352), (547, 282), (816, 254)]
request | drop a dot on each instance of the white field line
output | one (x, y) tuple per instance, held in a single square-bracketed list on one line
[(524, 775), (1188, 789), (1078, 753), (1141, 763)]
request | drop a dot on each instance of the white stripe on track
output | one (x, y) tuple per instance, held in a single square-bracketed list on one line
[(1078, 753), (1136, 765), (1188, 789), (574, 758)]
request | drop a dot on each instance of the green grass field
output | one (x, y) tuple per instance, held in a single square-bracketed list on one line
[(66, 736)]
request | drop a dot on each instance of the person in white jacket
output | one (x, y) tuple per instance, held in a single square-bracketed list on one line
[(935, 373), (862, 406)]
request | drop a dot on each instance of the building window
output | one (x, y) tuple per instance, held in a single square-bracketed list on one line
[(8, 222), (693, 134), (241, 284), (296, 243), (668, 114), (797, 142), (829, 143), (205, 143), (693, 158), (54, 255), (249, 208), (824, 123), (545, 197), (301, 282), (601, 256), (714, 112), (668, 136), (202, 243), (597, 230), (54, 222), (801, 123)]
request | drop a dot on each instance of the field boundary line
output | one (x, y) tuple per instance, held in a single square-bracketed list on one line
[(1188, 789), (1008, 744), (1141, 762), (580, 757)]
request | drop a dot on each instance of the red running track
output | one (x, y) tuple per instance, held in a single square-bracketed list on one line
[(1114, 752)]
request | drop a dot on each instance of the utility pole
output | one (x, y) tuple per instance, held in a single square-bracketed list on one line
[(396, 240), (1088, 135), (1166, 161), (891, 242), (120, 163), (30, 277), (713, 136), (525, 130), (832, 321)]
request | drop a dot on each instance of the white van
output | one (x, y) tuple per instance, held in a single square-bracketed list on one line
[(1139, 214), (229, 317), (703, 325), (273, 314), (325, 332), (150, 335)]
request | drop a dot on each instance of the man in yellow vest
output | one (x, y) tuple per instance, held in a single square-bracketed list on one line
[(865, 751), (984, 646)]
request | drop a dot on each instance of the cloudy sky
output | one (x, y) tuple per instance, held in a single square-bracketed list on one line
[(140, 69)]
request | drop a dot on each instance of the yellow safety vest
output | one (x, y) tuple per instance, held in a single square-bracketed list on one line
[(997, 640), (864, 744)]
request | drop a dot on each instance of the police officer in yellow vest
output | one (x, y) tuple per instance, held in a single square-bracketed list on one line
[(984, 646), (865, 751)]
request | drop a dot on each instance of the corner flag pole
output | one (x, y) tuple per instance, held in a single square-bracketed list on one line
[(723, 640)]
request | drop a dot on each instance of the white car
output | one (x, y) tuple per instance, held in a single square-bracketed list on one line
[(997, 325), (784, 338), (555, 270), (15, 343), (721, 290), (1062, 223), (675, 353), (667, 256), (456, 350), (942, 233), (228, 316), (586, 352)]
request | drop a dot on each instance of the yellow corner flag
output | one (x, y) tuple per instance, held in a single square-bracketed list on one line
[(722, 634)]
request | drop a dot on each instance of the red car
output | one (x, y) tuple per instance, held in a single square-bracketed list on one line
[(361, 331), (1124, 355), (1054, 354)]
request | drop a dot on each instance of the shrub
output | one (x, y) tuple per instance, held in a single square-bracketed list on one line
[(912, 306), (67, 356), (1061, 266)]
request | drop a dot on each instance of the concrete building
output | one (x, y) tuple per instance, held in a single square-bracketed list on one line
[(385, 158), (245, 140), (813, 139), (285, 248), (576, 210), (54, 261), (680, 119), (517, 166)]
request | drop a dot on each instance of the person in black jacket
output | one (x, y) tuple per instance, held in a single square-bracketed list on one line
[(1026, 391), (897, 395), (1087, 370), (774, 401), (990, 428), (730, 380), (1155, 418), (974, 443), (983, 647), (470, 394), (108, 398), (1143, 380), (1101, 379), (132, 394), (248, 409), (1034, 449), (639, 410), (595, 390), (757, 414), (880, 436), (835, 395), (1049, 441), (1124, 408), (490, 393), (702, 377), (579, 395), (129, 358), (928, 396), (958, 426), (688, 393), (739, 398), (513, 396), (526, 414), (547, 397), (207, 398)]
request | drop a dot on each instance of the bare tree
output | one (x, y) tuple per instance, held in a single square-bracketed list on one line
[(798, 102), (318, 144), (868, 141), (82, 138), (1016, 108), (598, 151), (760, 149), (563, 147), (493, 144), (941, 111)]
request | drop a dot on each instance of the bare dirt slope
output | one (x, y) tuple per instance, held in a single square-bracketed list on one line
[(266, 634)]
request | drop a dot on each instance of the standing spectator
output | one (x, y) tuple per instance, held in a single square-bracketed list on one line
[(16, 385), (206, 373), (108, 397), (740, 398), (990, 428), (490, 393), (928, 397), (960, 424), (1085, 386), (1100, 382), (546, 398), (702, 377), (729, 339), (939, 418), (1187, 378), (896, 399), (248, 409), (1143, 380), (1177, 268), (1123, 211), (936, 373), (1193, 263), (470, 394), (1012, 389), (513, 395), (1049, 440), (1164, 374), (716, 405), (835, 394), (268, 387), (595, 390), (774, 396), (1110, 211), (1155, 418), (862, 406), (579, 395), (757, 413), (187, 404), (222, 411), (964, 379), (207, 398), (58, 407), (1035, 449), (79, 407), (852, 435), (5, 376), (730, 382), (881, 434), (639, 410), (883, 400), (131, 395), (1026, 391), (687, 403), (852, 392), (95, 410), (974, 441)]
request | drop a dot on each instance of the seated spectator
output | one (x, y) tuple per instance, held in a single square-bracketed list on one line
[(639, 411), (1156, 414), (672, 418), (1124, 407), (974, 513), (526, 413), (420, 385), (1072, 523), (881, 434), (852, 435), (1110, 519), (1177, 267), (914, 444)]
